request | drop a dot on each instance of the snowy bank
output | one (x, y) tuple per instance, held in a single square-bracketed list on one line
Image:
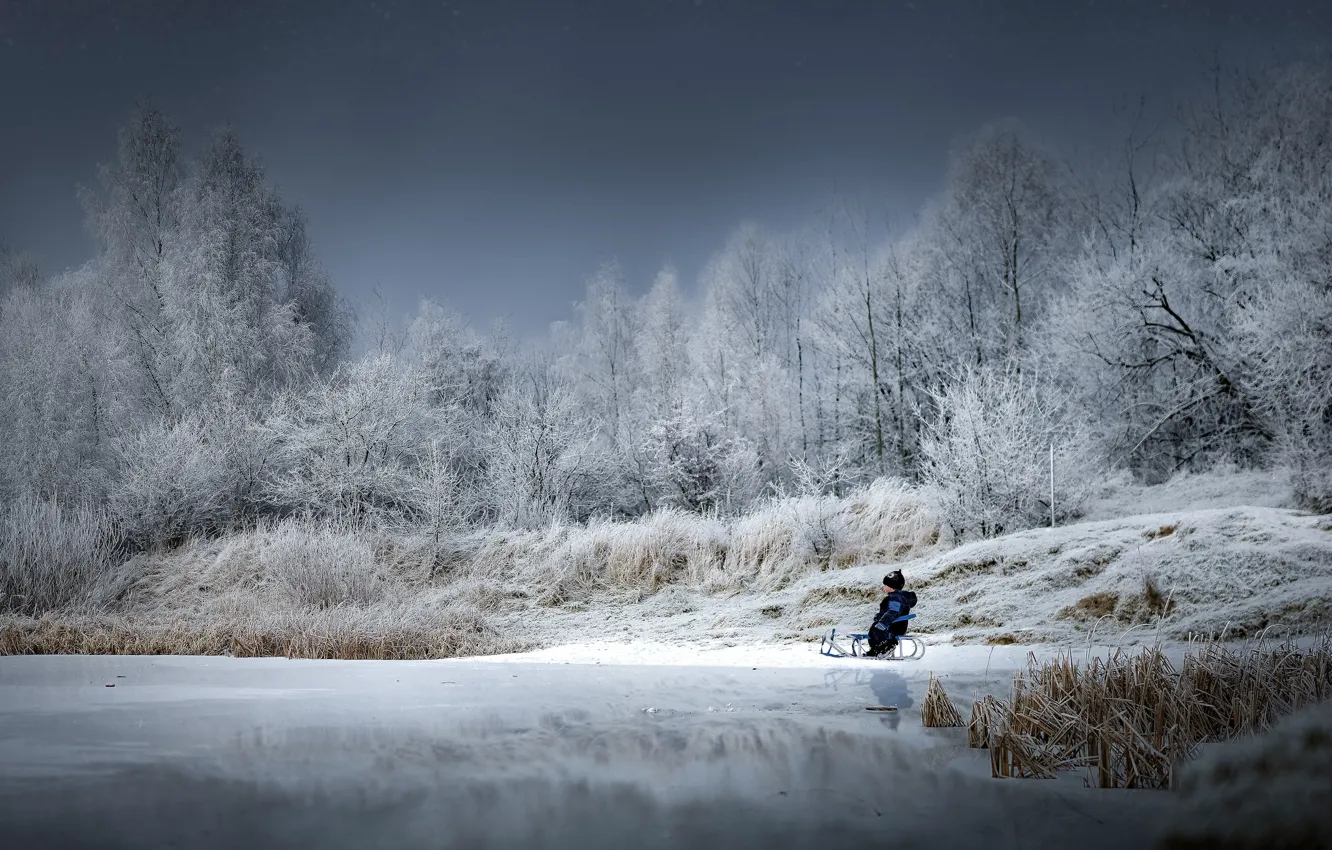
[(1270, 790), (781, 575), (1231, 571)]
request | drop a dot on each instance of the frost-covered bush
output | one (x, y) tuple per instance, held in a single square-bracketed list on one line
[(988, 450), (349, 447), (54, 557), (321, 565), (172, 482), (696, 463)]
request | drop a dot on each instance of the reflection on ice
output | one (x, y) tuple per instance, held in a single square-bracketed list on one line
[(387, 756)]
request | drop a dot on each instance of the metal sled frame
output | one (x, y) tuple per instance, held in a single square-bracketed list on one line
[(859, 646)]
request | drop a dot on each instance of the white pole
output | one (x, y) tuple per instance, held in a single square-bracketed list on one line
[(1052, 508)]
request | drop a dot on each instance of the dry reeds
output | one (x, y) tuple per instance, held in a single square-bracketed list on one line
[(938, 711), (986, 714), (769, 548), (1132, 720), (325, 637)]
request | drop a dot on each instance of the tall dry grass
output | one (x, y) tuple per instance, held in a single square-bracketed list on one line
[(321, 566), (319, 588), (768, 549), (384, 634), (1131, 720), (938, 711), (56, 556), (295, 588)]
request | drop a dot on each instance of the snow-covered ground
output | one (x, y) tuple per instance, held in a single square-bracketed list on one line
[(1212, 554), (1272, 790), (1231, 572), (1220, 487), (508, 752)]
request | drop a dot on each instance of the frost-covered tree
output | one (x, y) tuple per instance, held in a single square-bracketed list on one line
[(308, 289), (987, 449), (542, 461), (1283, 324), (17, 269), (465, 374), (998, 228), (233, 333), (744, 345), (203, 303), (1235, 218), (350, 447), (601, 355), (663, 343), (134, 219), (56, 401), (666, 378)]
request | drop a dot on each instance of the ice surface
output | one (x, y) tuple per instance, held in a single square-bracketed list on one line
[(214, 752)]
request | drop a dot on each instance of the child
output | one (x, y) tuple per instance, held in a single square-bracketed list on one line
[(884, 632)]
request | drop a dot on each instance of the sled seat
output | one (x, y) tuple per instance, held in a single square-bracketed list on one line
[(859, 646), (898, 620)]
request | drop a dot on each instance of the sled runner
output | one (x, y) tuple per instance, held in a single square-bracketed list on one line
[(908, 647)]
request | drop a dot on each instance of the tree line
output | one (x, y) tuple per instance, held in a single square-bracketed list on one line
[(1164, 310)]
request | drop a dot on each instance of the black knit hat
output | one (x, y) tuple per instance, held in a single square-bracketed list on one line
[(895, 580)]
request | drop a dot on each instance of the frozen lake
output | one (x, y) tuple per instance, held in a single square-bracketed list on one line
[(220, 752)]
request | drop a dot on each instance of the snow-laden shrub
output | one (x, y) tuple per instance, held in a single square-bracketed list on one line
[(1288, 334), (694, 462), (988, 451), (173, 481), (54, 557), (350, 447), (320, 565)]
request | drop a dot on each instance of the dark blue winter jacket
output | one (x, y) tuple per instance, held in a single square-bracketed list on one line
[(896, 604)]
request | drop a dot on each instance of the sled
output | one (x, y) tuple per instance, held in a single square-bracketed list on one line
[(850, 645)]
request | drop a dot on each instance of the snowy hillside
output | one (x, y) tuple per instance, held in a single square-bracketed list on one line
[(1205, 562), (1237, 570)]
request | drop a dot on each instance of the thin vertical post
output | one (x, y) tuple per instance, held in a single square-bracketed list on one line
[(1052, 503)]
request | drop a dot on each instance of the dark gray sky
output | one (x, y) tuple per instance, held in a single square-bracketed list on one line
[(492, 153)]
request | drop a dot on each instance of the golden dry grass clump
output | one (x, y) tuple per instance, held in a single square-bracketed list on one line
[(986, 714), (938, 711), (1132, 720), (327, 635)]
